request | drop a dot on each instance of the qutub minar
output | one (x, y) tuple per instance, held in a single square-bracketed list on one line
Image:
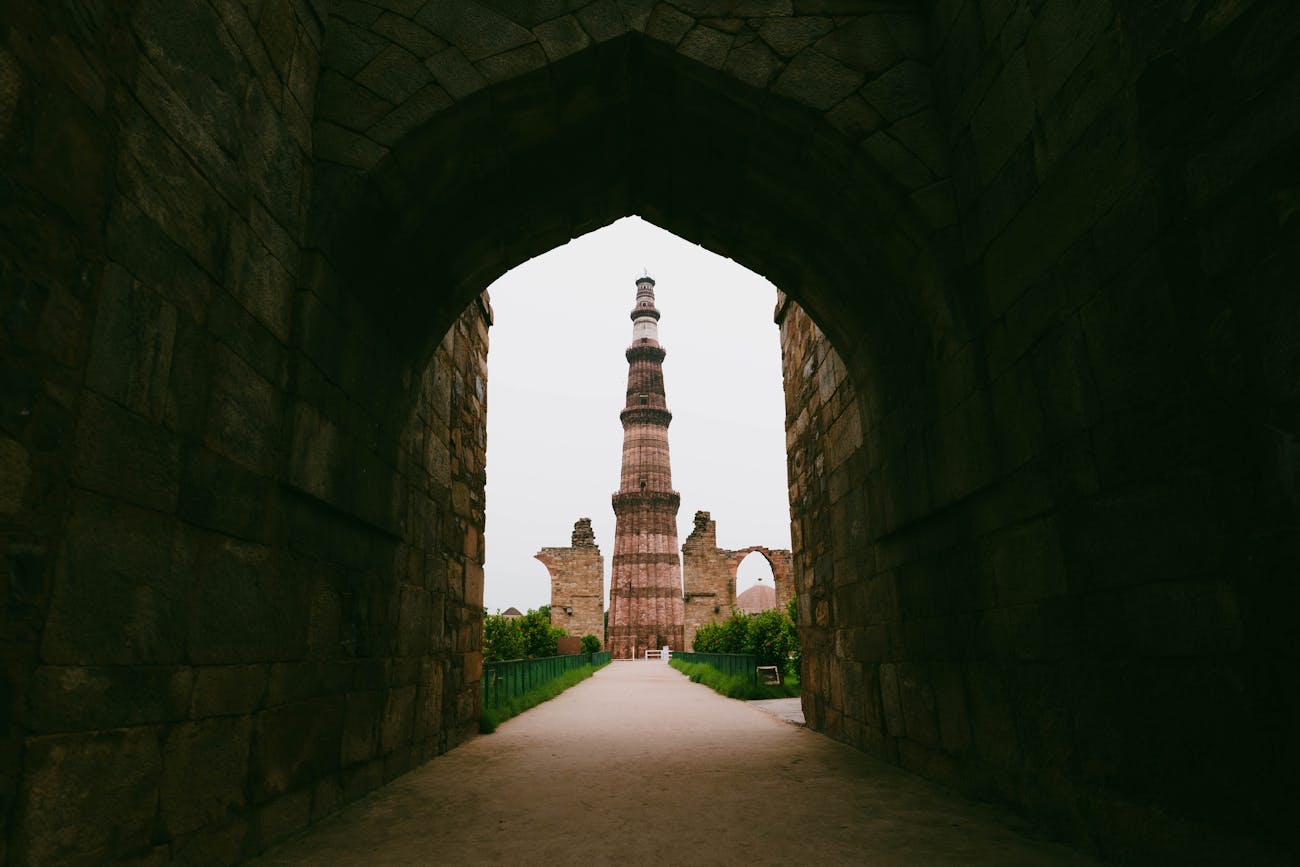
[(659, 594), (645, 594)]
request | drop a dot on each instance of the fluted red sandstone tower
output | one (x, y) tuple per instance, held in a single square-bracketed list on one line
[(645, 597)]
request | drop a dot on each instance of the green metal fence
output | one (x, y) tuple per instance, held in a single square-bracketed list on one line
[(508, 678), (733, 664)]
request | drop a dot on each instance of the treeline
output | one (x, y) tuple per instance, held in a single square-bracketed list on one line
[(528, 637)]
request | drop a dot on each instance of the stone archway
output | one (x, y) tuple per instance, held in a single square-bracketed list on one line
[(709, 575), (779, 560), (1040, 407)]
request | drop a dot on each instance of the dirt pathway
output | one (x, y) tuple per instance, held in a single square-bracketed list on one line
[(638, 766)]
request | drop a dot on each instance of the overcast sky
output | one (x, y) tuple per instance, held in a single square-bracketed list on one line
[(556, 383)]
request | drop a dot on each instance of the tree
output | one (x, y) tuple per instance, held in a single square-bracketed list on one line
[(590, 644), (768, 637), (502, 638)]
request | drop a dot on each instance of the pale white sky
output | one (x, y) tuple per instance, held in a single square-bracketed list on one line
[(556, 384)]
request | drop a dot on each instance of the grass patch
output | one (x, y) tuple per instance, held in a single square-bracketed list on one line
[(734, 686), (490, 718)]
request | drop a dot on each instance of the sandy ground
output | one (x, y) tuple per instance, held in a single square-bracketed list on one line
[(639, 766)]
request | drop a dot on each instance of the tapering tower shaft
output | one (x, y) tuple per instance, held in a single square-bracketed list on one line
[(645, 598)]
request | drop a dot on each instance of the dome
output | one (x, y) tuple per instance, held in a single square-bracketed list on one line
[(758, 598)]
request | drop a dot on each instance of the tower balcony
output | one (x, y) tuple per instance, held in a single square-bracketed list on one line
[(645, 415), (645, 350)]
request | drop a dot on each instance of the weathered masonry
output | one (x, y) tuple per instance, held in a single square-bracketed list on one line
[(577, 583), (645, 582), (709, 575), (1043, 453)]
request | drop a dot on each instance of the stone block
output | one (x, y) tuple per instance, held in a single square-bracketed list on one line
[(561, 37), (706, 45), (120, 454), (326, 797), (667, 24), (205, 765), (117, 598), (416, 110), (14, 475), (753, 62), (455, 73), (131, 352), (513, 63), (1028, 563), (891, 701), (293, 745), (1062, 34), (789, 36), (200, 123), (360, 741), (413, 621), (350, 47), (406, 33), (395, 74), (816, 80), (603, 21), (187, 392), (993, 727), (898, 161), (218, 844), (479, 32), (220, 495), (223, 690), (342, 101), (246, 607), (345, 147), (88, 797), (865, 43), (398, 718), (277, 819), (165, 185), (74, 698), (1003, 118)]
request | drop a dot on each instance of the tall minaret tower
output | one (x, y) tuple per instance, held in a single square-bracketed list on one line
[(645, 594)]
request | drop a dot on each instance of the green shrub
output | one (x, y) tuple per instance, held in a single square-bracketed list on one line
[(530, 636), (769, 635), (590, 644), (502, 638), (539, 635)]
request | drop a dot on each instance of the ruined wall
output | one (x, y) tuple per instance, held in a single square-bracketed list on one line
[(709, 575), (577, 583), (709, 583)]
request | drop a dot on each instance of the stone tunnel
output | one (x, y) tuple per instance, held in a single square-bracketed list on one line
[(1041, 345)]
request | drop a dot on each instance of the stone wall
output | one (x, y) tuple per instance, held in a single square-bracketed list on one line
[(577, 584), (1043, 567), (709, 575), (243, 535), (709, 584)]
